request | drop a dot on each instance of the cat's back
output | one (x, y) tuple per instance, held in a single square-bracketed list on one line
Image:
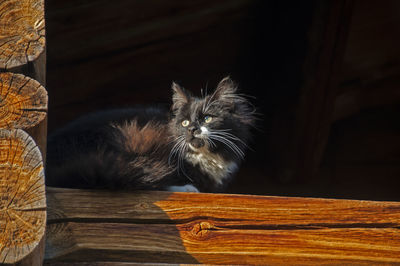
[(95, 127), (92, 122), (102, 141)]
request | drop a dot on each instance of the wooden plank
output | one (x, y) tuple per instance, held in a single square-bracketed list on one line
[(360, 97), (372, 52), (169, 38), (307, 124), (163, 227), (108, 263), (370, 73), (137, 24)]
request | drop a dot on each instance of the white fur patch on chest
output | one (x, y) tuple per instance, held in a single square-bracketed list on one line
[(213, 165)]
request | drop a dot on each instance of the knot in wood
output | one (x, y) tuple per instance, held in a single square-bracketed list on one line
[(142, 206), (202, 229)]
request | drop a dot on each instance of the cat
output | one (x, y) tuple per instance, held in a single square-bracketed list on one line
[(195, 145)]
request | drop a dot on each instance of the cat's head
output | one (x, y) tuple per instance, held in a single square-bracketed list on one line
[(219, 122)]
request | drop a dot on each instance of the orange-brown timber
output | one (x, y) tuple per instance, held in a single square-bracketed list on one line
[(22, 32), (163, 227), (22, 196), (23, 104), (23, 101)]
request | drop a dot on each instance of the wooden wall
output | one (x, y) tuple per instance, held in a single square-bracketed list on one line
[(370, 75), (363, 155), (103, 54)]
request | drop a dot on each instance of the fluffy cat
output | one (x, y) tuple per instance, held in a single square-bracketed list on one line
[(197, 145)]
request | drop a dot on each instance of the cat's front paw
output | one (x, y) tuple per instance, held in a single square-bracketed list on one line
[(185, 188)]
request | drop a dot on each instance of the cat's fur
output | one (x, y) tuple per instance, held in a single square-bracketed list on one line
[(197, 145)]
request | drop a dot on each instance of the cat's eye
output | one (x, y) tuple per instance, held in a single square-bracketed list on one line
[(207, 119), (185, 123)]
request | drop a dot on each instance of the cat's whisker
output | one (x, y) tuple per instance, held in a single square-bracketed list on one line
[(181, 162), (222, 130), (178, 151), (178, 154), (229, 144), (211, 143), (209, 103), (230, 136), (206, 105), (179, 141), (174, 148)]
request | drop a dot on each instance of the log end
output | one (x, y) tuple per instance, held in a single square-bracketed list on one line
[(23, 101), (22, 39), (22, 196)]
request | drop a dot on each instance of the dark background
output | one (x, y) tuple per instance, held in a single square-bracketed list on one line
[(324, 76)]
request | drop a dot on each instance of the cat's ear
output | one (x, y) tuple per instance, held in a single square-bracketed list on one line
[(225, 90), (179, 97)]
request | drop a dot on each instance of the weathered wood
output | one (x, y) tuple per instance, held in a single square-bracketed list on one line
[(162, 227), (22, 198), (169, 38), (23, 105), (22, 37), (307, 122), (373, 94), (108, 263), (371, 66), (23, 101), (372, 51), (322, 68)]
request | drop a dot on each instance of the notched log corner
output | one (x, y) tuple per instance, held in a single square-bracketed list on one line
[(23, 101), (22, 38), (22, 195)]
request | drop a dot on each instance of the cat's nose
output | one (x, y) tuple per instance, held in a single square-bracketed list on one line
[(193, 129)]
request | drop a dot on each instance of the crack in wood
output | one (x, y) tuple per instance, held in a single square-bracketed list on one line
[(34, 110), (213, 227)]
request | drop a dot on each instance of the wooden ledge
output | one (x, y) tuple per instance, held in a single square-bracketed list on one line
[(163, 227)]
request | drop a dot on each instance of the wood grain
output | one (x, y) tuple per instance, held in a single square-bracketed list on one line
[(22, 196), (303, 126), (371, 66), (23, 105), (193, 42), (22, 35), (23, 101), (372, 52), (162, 227)]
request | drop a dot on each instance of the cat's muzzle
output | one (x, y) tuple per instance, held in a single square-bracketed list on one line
[(197, 142)]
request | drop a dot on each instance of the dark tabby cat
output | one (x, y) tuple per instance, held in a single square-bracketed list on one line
[(197, 146)]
